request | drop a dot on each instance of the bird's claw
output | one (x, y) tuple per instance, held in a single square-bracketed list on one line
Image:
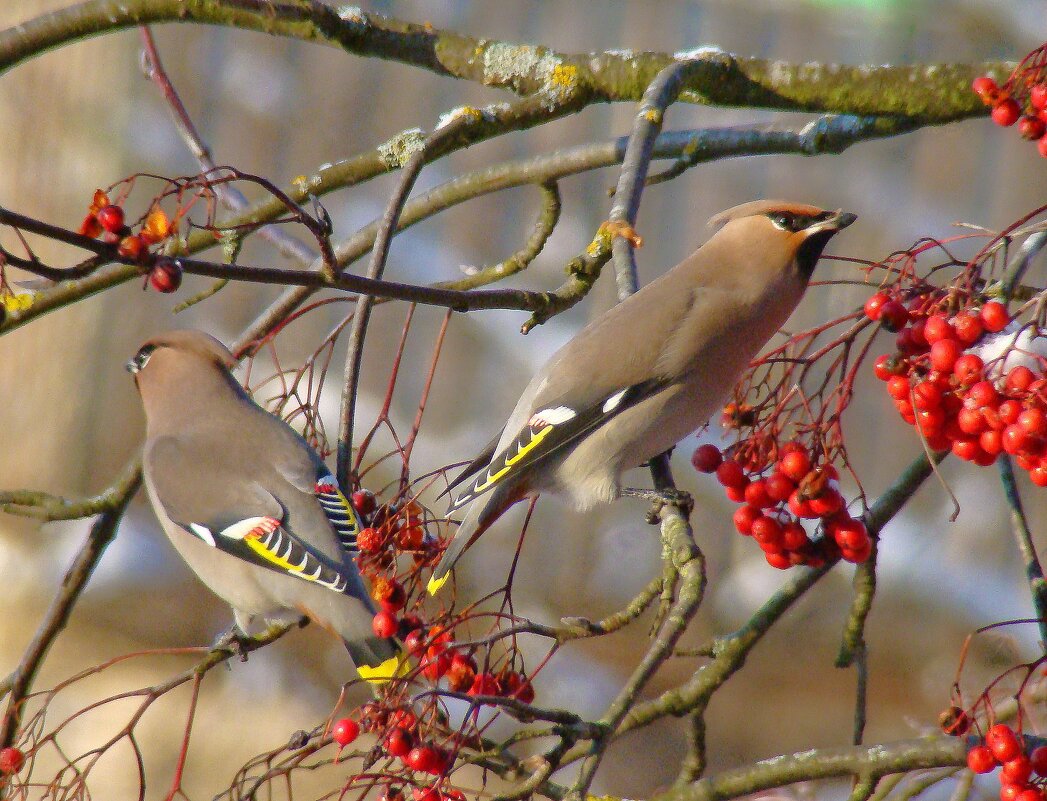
[(234, 640), (659, 499)]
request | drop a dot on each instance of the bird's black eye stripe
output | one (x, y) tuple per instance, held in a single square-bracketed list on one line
[(796, 222)]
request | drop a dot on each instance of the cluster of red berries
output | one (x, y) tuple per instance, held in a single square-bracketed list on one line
[(107, 220), (11, 760), (776, 495), (391, 533), (1028, 110), (943, 387), (1024, 776)]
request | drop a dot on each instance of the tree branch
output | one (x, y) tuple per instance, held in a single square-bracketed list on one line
[(931, 93)]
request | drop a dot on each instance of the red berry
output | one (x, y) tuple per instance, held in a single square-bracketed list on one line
[(1019, 379), (893, 315), (1014, 438), (11, 760), (743, 519), (968, 368), (980, 759), (969, 328), (1030, 794), (385, 624), (795, 464), (793, 536), (422, 758), (736, 494), (485, 684), (1010, 792), (985, 87), (756, 494), (414, 642), (888, 365), (1038, 476), (706, 458), (857, 555), (851, 534), (1031, 127), (994, 316), (1038, 96), (874, 305), (1006, 112), (435, 665), (1008, 412), (364, 501), (165, 275), (1017, 770), (345, 731), (1038, 758), (927, 395), (1041, 146), (778, 560), (944, 354), (991, 442), (1034, 422), (898, 387), (966, 449), (982, 394), (369, 540), (800, 506), (520, 688), (398, 742), (938, 328), (1003, 742), (731, 474), (111, 218), (779, 486), (767, 530), (970, 421), (828, 503)]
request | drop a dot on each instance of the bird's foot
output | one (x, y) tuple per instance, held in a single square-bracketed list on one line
[(235, 640), (659, 499)]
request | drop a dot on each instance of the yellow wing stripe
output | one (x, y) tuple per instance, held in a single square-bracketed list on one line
[(508, 465), (390, 669), (259, 548), (435, 583)]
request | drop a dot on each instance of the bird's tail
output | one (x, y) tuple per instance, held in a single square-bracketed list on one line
[(482, 513), (377, 659)]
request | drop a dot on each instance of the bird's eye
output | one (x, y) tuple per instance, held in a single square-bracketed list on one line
[(143, 355), (784, 222)]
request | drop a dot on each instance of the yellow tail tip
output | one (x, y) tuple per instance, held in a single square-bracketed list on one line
[(390, 669), (435, 583)]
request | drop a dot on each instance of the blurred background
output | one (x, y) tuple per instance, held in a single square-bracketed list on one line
[(83, 117)]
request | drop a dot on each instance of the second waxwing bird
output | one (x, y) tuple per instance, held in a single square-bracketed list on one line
[(247, 503), (649, 371)]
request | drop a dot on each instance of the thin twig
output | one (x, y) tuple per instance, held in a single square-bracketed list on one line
[(101, 534)]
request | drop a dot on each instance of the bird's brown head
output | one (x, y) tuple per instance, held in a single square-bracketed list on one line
[(178, 369), (796, 230)]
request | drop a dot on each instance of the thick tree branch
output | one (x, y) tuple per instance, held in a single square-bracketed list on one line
[(931, 93), (825, 763)]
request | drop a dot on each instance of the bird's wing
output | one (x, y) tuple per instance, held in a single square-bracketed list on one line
[(549, 430), (203, 495), (476, 465)]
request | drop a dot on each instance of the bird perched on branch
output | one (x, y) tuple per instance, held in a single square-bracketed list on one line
[(649, 371), (247, 503)]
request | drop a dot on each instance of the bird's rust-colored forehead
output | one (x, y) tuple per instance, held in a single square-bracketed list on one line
[(196, 343), (762, 207)]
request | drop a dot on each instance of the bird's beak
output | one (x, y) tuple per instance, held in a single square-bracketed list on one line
[(132, 367), (839, 220)]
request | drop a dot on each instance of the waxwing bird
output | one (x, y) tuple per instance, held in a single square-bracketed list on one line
[(649, 371), (247, 503)]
